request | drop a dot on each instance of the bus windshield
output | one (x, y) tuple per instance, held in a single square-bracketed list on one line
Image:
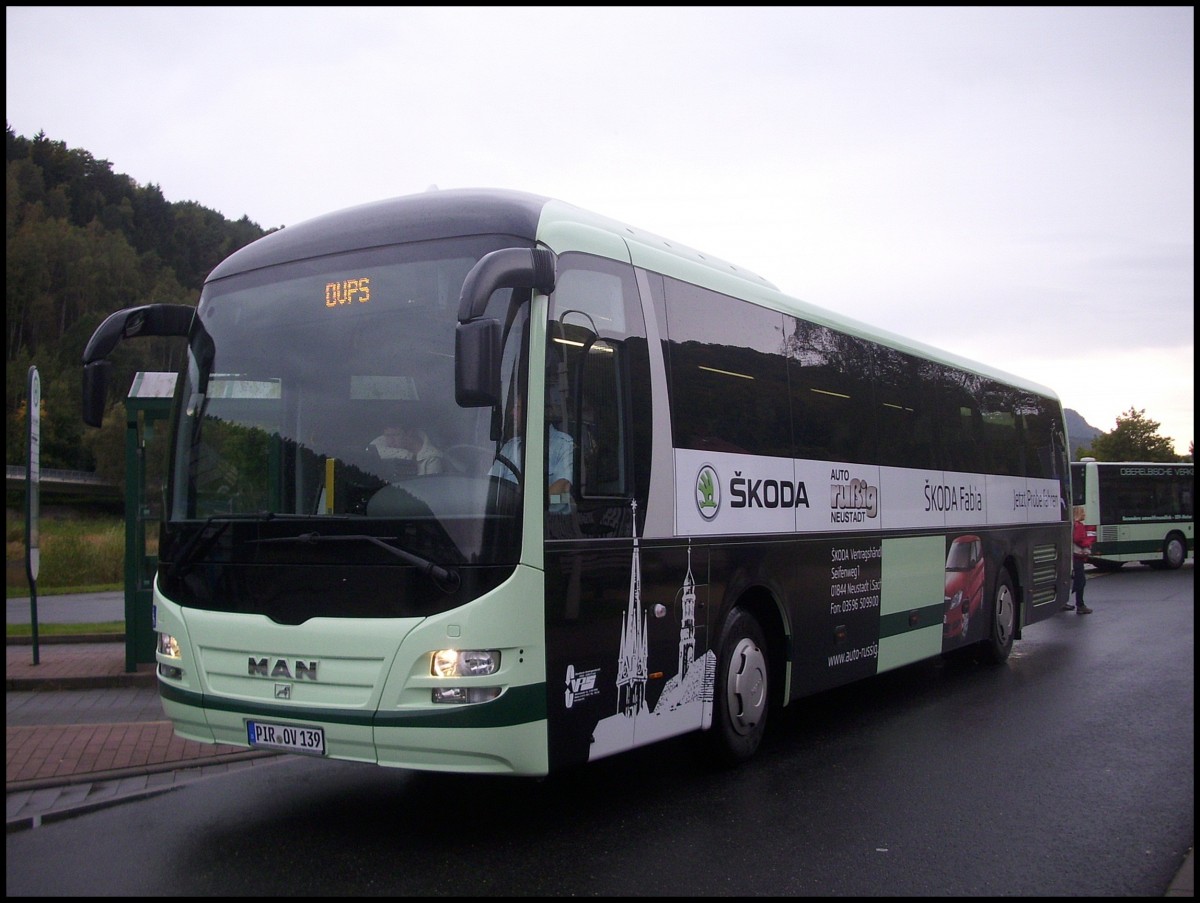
[(324, 389)]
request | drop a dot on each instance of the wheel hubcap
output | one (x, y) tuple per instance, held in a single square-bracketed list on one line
[(746, 689), (1005, 615)]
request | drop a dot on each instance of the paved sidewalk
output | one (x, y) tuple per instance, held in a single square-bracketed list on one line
[(82, 733)]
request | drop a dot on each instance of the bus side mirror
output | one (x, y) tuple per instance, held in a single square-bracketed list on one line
[(477, 363), (477, 339), (507, 268), (95, 391), (132, 322)]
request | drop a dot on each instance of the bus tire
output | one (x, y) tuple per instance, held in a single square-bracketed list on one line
[(741, 690), (1174, 552), (1003, 623)]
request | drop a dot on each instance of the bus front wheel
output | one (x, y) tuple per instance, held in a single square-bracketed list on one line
[(741, 697), (998, 645)]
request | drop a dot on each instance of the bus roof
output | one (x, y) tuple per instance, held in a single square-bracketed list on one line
[(529, 217), (415, 217)]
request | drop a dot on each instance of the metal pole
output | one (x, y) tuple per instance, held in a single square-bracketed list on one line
[(32, 499)]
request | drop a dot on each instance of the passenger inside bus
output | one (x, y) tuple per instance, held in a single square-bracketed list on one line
[(409, 450)]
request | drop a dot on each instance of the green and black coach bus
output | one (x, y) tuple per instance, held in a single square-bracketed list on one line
[(670, 498)]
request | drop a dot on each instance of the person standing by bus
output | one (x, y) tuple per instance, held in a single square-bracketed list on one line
[(1081, 546)]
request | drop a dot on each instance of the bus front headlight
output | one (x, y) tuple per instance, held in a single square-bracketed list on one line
[(465, 662), (168, 647), (452, 663)]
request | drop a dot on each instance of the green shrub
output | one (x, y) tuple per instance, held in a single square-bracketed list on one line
[(80, 551)]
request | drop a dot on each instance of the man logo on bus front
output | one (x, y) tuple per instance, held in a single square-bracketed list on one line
[(708, 492)]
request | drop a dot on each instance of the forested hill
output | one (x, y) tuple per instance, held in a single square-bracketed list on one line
[(82, 241)]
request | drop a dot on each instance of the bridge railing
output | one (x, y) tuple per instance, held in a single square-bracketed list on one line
[(75, 482)]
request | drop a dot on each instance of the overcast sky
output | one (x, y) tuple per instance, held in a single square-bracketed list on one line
[(1014, 185)]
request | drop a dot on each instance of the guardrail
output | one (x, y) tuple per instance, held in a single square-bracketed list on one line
[(71, 482)]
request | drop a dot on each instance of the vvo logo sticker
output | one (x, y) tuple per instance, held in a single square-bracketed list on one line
[(580, 685), (708, 492)]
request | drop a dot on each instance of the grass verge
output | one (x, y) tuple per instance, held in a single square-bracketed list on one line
[(117, 628)]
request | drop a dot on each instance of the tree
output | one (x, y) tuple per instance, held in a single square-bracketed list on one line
[(1135, 438), (82, 241)]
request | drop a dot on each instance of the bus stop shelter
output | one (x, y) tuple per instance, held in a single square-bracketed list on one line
[(147, 407)]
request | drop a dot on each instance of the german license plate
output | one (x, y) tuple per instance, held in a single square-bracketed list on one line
[(290, 737)]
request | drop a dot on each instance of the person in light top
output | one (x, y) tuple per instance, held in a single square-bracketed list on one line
[(410, 444), (559, 466)]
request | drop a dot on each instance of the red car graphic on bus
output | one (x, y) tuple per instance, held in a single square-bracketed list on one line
[(964, 586)]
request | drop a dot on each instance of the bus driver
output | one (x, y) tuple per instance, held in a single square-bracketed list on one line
[(559, 465)]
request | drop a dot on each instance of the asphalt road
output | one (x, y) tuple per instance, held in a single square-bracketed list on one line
[(80, 608), (1069, 771)]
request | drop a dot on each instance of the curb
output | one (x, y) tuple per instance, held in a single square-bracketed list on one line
[(116, 774), (65, 639), (188, 773), (139, 679), (1184, 884), (26, 822)]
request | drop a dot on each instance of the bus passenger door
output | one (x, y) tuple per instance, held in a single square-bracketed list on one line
[(602, 641)]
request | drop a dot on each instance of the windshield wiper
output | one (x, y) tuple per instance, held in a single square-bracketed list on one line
[(446, 579), (198, 543)]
